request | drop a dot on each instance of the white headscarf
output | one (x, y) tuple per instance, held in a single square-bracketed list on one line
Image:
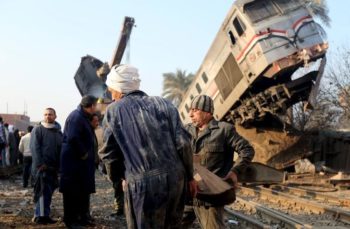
[(123, 78)]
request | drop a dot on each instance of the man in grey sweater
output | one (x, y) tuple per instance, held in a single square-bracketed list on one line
[(45, 145)]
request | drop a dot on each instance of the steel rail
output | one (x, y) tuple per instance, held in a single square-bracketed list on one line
[(275, 196), (275, 216), (312, 194), (246, 220)]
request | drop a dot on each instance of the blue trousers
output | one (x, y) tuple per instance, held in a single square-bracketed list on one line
[(155, 202), (43, 205)]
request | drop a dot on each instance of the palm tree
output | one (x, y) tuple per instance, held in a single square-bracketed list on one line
[(320, 9), (175, 85)]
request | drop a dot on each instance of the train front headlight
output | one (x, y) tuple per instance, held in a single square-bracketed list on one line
[(316, 48), (325, 46)]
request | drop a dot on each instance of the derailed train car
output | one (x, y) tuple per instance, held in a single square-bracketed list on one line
[(248, 68)]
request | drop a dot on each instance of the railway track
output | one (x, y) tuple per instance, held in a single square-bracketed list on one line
[(286, 207), (264, 217), (313, 195)]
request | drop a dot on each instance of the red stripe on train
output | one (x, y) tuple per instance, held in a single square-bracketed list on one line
[(269, 31)]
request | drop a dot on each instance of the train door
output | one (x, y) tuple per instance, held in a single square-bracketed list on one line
[(230, 72)]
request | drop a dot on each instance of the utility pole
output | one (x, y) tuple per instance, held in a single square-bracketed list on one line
[(25, 108)]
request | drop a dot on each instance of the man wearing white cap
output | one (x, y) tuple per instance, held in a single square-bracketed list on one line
[(146, 133)]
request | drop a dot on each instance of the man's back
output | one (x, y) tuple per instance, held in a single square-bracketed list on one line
[(146, 134), (144, 128), (24, 145)]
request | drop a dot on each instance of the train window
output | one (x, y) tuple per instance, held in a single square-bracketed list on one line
[(205, 77), (187, 108), (232, 37), (260, 10), (287, 5), (199, 89), (182, 115), (239, 26), (228, 77)]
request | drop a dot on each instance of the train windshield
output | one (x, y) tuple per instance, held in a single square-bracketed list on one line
[(260, 10), (287, 5)]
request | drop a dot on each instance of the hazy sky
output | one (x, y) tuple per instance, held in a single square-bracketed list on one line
[(42, 42)]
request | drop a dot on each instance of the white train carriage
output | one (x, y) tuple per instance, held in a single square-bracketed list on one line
[(250, 62)]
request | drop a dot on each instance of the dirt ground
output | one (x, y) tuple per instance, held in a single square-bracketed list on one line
[(16, 206)]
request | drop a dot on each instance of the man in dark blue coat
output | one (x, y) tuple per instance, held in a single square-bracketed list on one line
[(77, 165)]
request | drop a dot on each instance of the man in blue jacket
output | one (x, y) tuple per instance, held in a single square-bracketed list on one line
[(146, 135), (77, 165), (45, 145)]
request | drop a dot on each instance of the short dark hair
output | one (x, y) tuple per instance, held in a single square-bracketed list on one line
[(94, 115), (51, 109), (88, 101), (30, 128)]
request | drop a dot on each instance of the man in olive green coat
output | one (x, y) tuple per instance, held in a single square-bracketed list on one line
[(214, 144)]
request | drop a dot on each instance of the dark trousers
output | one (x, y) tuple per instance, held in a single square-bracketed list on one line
[(27, 168), (76, 207), (13, 157), (118, 196), (20, 158)]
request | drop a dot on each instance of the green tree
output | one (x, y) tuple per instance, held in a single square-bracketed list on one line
[(175, 85)]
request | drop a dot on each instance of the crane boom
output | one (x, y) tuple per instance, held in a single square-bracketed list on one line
[(123, 41), (91, 75)]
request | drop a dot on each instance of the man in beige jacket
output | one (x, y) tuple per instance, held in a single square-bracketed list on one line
[(24, 148)]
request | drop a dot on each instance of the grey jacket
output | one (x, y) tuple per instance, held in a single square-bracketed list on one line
[(2, 134), (45, 145), (216, 146)]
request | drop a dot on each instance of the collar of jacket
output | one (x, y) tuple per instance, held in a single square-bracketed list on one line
[(213, 124), (135, 93), (54, 125), (84, 113)]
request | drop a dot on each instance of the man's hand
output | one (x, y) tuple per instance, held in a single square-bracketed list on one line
[(193, 188), (42, 167), (124, 185), (233, 177)]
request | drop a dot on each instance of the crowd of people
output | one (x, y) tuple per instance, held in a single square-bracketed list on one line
[(9, 142), (147, 152)]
